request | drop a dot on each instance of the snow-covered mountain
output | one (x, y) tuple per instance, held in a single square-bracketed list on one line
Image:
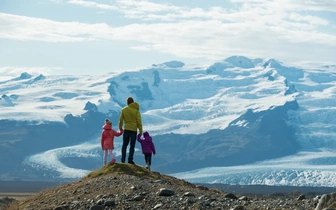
[(238, 121)]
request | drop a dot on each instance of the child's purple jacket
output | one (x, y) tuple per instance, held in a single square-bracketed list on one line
[(147, 144)]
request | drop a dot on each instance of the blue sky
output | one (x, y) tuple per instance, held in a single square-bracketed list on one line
[(101, 36)]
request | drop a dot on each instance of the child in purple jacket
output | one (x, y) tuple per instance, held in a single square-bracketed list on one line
[(147, 147)]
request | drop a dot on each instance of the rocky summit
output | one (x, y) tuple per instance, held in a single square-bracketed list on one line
[(128, 186)]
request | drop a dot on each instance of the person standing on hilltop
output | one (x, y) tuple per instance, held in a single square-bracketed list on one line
[(147, 147), (107, 140), (130, 118)]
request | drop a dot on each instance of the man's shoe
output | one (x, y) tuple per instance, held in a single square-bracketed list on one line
[(131, 162)]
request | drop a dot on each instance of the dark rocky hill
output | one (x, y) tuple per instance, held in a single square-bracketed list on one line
[(126, 186)]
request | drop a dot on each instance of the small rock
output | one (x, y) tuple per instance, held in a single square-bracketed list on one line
[(100, 202), (326, 201), (231, 196), (96, 207), (138, 198), (202, 187), (166, 192), (239, 208), (75, 203), (110, 203), (301, 197), (243, 198), (189, 194), (201, 197), (157, 206)]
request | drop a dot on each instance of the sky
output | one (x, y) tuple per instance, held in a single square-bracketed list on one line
[(86, 37)]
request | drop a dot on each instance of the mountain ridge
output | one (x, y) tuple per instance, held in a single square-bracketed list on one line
[(236, 111)]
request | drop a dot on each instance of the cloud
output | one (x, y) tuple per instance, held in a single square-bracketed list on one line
[(291, 5), (147, 10), (93, 4), (38, 29), (258, 28), (28, 28), (308, 19)]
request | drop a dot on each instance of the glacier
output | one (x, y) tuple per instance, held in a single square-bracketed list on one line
[(193, 100)]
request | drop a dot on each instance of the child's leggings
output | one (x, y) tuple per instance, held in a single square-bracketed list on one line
[(148, 158), (110, 151)]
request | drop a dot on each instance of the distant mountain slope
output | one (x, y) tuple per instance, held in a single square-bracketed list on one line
[(264, 136), (233, 112)]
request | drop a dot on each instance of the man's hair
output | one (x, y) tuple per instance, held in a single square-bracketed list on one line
[(129, 100)]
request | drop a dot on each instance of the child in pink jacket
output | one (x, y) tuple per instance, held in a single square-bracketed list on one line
[(107, 140), (147, 147)]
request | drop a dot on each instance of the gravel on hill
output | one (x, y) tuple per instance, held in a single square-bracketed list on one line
[(127, 186)]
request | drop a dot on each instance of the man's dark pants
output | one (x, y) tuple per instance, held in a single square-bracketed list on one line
[(128, 137)]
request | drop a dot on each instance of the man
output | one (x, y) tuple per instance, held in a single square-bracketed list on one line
[(131, 119)]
